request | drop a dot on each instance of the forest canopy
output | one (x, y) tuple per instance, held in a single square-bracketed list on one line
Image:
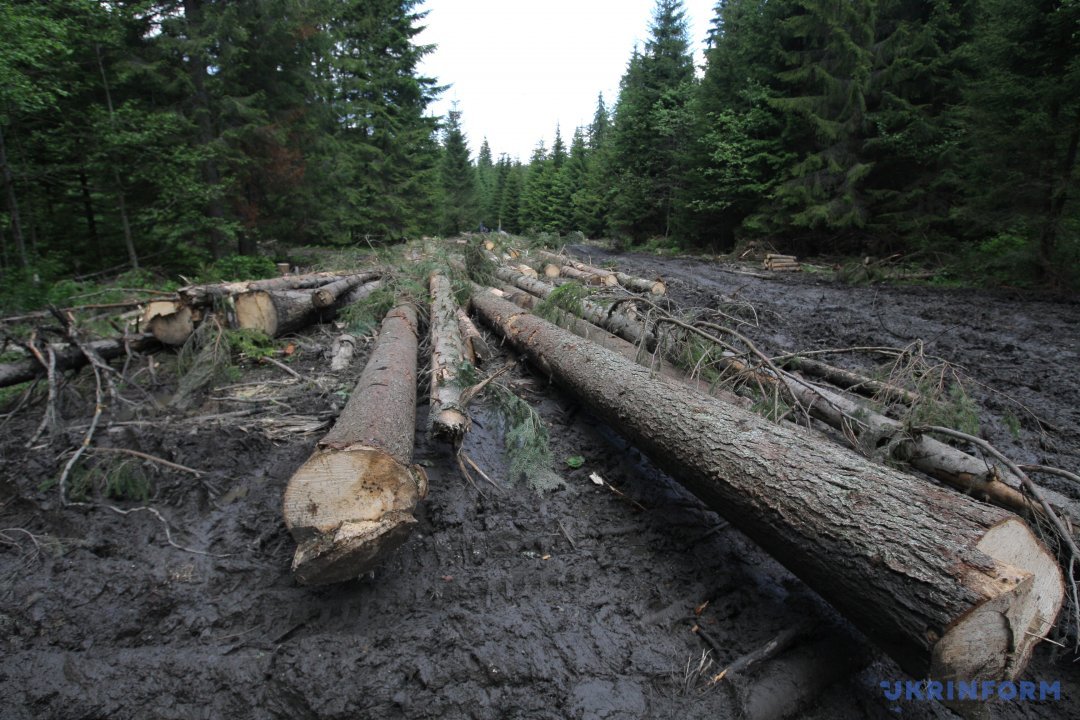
[(181, 131)]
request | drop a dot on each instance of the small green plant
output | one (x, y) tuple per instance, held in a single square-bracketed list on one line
[(240, 267), (1013, 424), (249, 344), (568, 298), (575, 461), (528, 447), (364, 316)]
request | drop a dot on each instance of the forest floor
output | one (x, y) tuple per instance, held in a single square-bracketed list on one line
[(576, 603)]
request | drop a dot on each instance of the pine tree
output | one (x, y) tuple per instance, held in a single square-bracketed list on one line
[(510, 207), (823, 86), (651, 124), (485, 184), (457, 179)]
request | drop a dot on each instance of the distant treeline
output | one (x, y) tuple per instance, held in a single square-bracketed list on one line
[(878, 126), (185, 130)]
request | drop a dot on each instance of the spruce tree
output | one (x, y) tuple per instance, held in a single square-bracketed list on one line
[(651, 125), (457, 179)]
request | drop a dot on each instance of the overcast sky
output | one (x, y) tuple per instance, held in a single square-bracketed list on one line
[(518, 67)]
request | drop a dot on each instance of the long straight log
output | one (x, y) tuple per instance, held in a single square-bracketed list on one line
[(448, 419), (206, 294), (617, 323), (327, 295), (937, 459), (597, 276), (949, 587), (611, 277), (352, 501), (476, 348), (851, 380), (70, 358)]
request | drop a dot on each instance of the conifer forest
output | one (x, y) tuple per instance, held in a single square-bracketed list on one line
[(753, 397)]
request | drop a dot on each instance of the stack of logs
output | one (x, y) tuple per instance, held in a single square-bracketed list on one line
[(781, 263), (276, 306)]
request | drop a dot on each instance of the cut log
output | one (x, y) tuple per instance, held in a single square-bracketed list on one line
[(327, 295), (927, 573), (448, 419), (476, 348), (632, 352), (70, 358), (585, 278), (653, 287), (611, 278), (852, 381), (526, 271), (170, 321), (207, 294), (341, 352), (618, 323), (352, 501), (603, 277), (278, 312), (552, 271)]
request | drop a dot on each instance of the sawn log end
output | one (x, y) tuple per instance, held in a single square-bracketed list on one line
[(347, 509)]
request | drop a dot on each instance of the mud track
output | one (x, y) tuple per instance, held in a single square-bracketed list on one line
[(578, 603)]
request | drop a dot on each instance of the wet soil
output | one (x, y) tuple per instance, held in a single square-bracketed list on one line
[(580, 602)]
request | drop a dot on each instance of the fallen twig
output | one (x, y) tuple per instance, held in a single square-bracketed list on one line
[(168, 533), (151, 458)]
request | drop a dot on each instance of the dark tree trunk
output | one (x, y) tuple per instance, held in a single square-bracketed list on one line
[(201, 99), (88, 207), (12, 203)]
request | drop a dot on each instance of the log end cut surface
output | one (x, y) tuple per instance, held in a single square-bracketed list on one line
[(347, 508), (256, 311), (1024, 592)]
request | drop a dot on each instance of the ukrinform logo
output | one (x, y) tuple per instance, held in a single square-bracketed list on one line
[(1009, 691)]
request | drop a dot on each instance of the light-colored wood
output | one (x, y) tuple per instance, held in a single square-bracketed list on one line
[(925, 572), (475, 346), (448, 419), (653, 287), (170, 321), (526, 271), (551, 270), (341, 352), (351, 502), (327, 295), (283, 268)]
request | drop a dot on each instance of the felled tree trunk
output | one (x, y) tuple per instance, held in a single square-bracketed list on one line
[(170, 321), (352, 501), (448, 419), (947, 586), (70, 358), (206, 294), (327, 295), (610, 277), (618, 323), (852, 381), (277, 312), (476, 348)]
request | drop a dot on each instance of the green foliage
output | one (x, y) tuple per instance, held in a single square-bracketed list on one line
[(239, 267), (249, 344), (575, 461), (955, 409), (565, 301), (364, 316), (527, 441)]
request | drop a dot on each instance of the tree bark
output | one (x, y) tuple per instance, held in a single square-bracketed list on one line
[(207, 294), (476, 348), (927, 573), (70, 358), (448, 419), (330, 293), (276, 312), (618, 323), (610, 277), (352, 501), (852, 381), (12, 203)]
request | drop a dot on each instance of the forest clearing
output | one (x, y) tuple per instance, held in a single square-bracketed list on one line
[(558, 542)]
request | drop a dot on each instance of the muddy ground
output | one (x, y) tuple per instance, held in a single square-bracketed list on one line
[(505, 603)]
